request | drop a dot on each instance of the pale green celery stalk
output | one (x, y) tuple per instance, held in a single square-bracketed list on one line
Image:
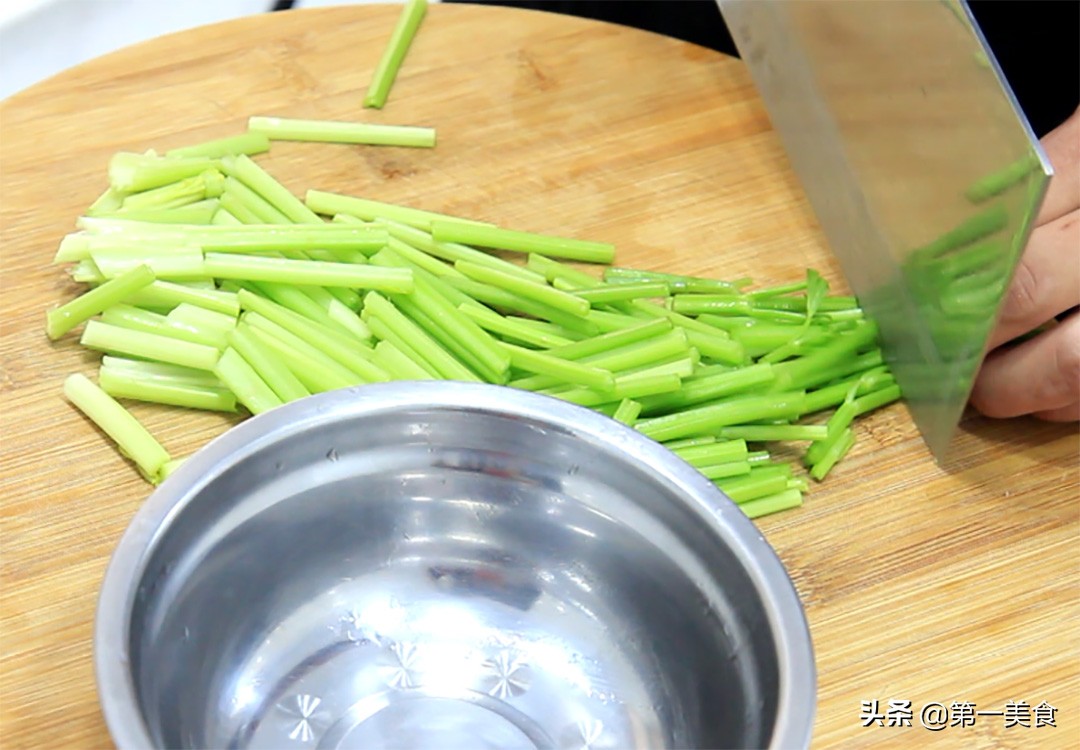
[(536, 292), (161, 372), (397, 253), (509, 327), (553, 271), (697, 284), (447, 340), (631, 387), (877, 399), (546, 327), (255, 177), (523, 242), (425, 262), (346, 319), (777, 343), (627, 412), (723, 471), (811, 369), (110, 338), (608, 322), (566, 371), (236, 207), (706, 420), (224, 218), (415, 338), (209, 184), (245, 143), (295, 298), (764, 506), (120, 384), (212, 327), (385, 333), (201, 212), (111, 229), (275, 373), (169, 467), (642, 385), (708, 454), (329, 204), (752, 486), (710, 388), (108, 202), (676, 445), (646, 308), (500, 298), (131, 437), (758, 457), (256, 206), (612, 340), (137, 319), (315, 272), (776, 291), (400, 365), (132, 173), (802, 484), (350, 353), (837, 449), (169, 294), (682, 367), (799, 304), (454, 252), (412, 13), (732, 323), (316, 371), (831, 395), (719, 304), (85, 272), (325, 131), (762, 433), (1000, 181), (172, 264), (840, 420), (716, 348), (73, 247), (241, 378), (623, 292), (62, 319)]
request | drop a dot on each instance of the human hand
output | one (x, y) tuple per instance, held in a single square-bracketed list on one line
[(1041, 376)]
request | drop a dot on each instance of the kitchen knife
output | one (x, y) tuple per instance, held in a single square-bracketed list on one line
[(919, 164)]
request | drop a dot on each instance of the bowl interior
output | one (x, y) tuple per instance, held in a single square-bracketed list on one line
[(446, 578)]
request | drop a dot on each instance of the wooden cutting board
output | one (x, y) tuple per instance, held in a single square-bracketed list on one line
[(921, 583)]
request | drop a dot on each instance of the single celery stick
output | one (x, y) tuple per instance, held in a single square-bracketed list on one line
[(758, 457), (329, 204), (682, 367), (978, 227), (453, 252), (169, 294), (873, 379), (118, 423), (255, 205), (877, 399), (1000, 181), (294, 298), (383, 332), (523, 242), (113, 228), (201, 212), (73, 247), (567, 371), (709, 454), (62, 319), (245, 143), (397, 253), (224, 218), (315, 370), (647, 309), (425, 262), (500, 298), (209, 184), (110, 338), (346, 319), (718, 304), (764, 506), (676, 283), (802, 484), (446, 339), (137, 319), (398, 364), (676, 445), (546, 327), (108, 202), (236, 207), (838, 422), (778, 290), (325, 131), (314, 272), (349, 353), (639, 331), (799, 304), (120, 384), (622, 292), (169, 467), (627, 412), (606, 322), (275, 373), (85, 272), (751, 486), (705, 420), (147, 370), (258, 179), (541, 293), (716, 348), (553, 271), (809, 370), (178, 263), (200, 318), (510, 327), (241, 378), (836, 451), (401, 39), (801, 344), (416, 338), (643, 385), (723, 471), (133, 173), (764, 432), (710, 388)]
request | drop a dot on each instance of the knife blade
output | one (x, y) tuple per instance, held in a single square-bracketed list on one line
[(920, 166)]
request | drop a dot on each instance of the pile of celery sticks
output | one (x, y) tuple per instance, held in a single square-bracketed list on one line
[(212, 287)]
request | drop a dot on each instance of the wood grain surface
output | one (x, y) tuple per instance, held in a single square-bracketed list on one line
[(921, 582)]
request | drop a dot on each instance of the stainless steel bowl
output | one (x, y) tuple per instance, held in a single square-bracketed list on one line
[(447, 566)]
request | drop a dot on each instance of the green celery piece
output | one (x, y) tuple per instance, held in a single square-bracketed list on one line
[(639, 331), (201, 212), (509, 327), (714, 472), (134, 173), (998, 182), (160, 371), (676, 445), (254, 204), (811, 369), (313, 272), (169, 294), (757, 458), (326, 131), (111, 338), (676, 283), (275, 373), (448, 341), (710, 454), (108, 202), (627, 412), (877, 399), (834, 304), (751, 486), (708, 419), (764, 506), (536, 292), (329, 204), (837, 449), (399, 364), (553, 270), (62, 319), (452, 251), (236, 207), (683, 367), (385, 333), (500, 298), (566, 371), (317, 371), (522, 242), (241, 378), (295, 298), (120, 384), (258, 179), (412, 13), (763, 433), (428, 264), (173, 264), (137, 319), (118, 423), (778, 290), (208, 184), (245, 143), (871, 379), (224, 218), (710, 388), (449, 368), (623, 292), (644, 384)]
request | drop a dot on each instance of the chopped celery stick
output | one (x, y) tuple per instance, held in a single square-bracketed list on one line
[(315, 272), (110, 338), (617, 275), (682, 368), (314, 369), (245, 143), (120, 384), (801, 344), (201, 212), (708, 454), (137, 319), (346, 319), (133, 439), (711, 387), (613, 340), (416, 338), (811, 369), (523, 242), (536, 292), (799, 304), (258, 179), (73, 247), (325, 131), (876, 399), (642, 385), (1000, 181), (445, 338), (412, 13), (768, 432), (838, 422), (621, 292), (62, 319), (160, 371), (802, 484), (383, 332), (758, 457), (553, 271), (607, 322), (169, 467), (646, 308), (453, 252), (209, 184), (717, 348), (177, 263), (399, 364), (322, 202), (285, 385), (566, 371), (294, 298), (836, 451), (500, 298), (704, 420), (546, 327), (237, 208), (223, 218), (133, 173), (199, 317), (775, 291), (675, 445), (425, 262), (257, 206), (876, 376), (169, 294), (752, 486), (764, 506), (721, 304), (627, 412), (723, 471), (350, 249), (108, 202), (241, 378), (509, 327), (85, 272)]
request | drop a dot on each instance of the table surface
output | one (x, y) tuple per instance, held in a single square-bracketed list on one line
[(921, 582)]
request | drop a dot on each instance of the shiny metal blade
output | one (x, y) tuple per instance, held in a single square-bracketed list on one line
[(919, 164)]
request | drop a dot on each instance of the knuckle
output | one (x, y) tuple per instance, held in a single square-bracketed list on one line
[(1022, 300)]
